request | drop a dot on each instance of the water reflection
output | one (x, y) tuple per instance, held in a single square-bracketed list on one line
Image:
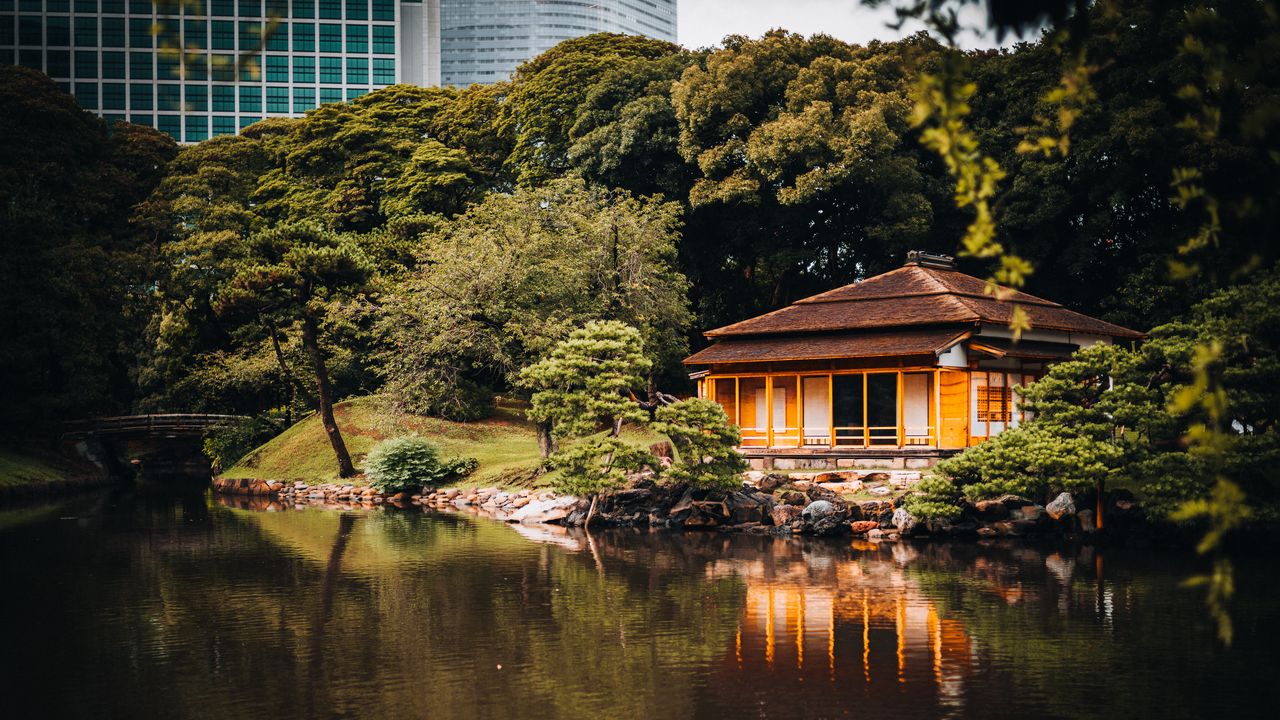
[(155, 606)]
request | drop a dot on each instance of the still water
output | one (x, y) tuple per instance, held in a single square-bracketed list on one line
[(129, 605)]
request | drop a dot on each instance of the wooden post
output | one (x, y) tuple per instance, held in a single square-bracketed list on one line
[(866, 429), (799, 411), (831, 410), (768, 411), (737, 401), (936, 417), (902, 406)]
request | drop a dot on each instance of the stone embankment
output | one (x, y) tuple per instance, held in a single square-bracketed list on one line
[(820, 504)]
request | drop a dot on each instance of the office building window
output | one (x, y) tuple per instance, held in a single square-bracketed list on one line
[(250, 8), (58, 63), (277, 9), (304, 70), (86, 6), (330, 95), (140, 97), (7, 37), (57, 6), (140, 65), (357, 71), (251, 69), (30, 5), (303, 99), (358, 38), (195, 34), (112, 32), (222, 8), (247, 120), (113, 118), (140, 33), (250, 99), (197, 97), (197, 128), (277, 68), (86, 64), (278, 37), (304, 8), (331, 9), (140, 7), (197, 67), (169, 124), (384, 9), (224, 98), (277, 99), (58, 31), (168, 97), (357, 9), (30, 31), (384, 40), (384, 72), (250, 35), (331, 70), (223, 33), (222, 68), (353, 93), (140, 119), (113, 6), (87, 31), (224, 125), (113, 65), (87, 95), (304, 37), (113, 96), (330, 38), (33, 59), (167, 66)]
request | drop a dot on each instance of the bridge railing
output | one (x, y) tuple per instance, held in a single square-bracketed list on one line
[(184, 423)]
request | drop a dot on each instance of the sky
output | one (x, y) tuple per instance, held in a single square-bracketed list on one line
[(706, 22)]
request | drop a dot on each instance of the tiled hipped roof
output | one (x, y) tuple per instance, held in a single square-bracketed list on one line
[(912, 296), (826, 347)]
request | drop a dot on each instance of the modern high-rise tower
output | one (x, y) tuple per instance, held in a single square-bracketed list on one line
[(198, 68), (482, 41)]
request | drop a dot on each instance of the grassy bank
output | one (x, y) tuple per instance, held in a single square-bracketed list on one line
[(504, 445), (22, 468)]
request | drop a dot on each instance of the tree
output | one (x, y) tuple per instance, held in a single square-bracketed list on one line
[(297, 273), (582, 386), (705, 442), (498, 287), (75, 275)]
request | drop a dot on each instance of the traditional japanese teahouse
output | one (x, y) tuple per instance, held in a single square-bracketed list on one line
[(901, 368)]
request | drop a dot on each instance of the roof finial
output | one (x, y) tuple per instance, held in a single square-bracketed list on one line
[(924, 259)]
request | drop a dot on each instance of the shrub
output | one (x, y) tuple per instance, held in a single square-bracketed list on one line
[(935, 498), (410, 463), (705, 443), (597, 465), (227, 442)]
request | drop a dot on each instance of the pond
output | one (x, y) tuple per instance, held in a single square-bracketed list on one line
[(132, 604)]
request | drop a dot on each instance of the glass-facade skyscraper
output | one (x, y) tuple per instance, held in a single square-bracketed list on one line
[(482, 41), (199, 68)]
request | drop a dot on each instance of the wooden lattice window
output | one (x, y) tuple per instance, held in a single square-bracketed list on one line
[(995, 404)]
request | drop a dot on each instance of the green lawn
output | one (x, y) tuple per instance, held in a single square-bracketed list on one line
[(506, 445), (22, 469)]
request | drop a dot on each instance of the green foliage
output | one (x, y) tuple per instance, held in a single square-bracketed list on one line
[(584, 383), (411, 463), (597, 464), (936, 497), (227, 442), (498, 287), (705, 442)]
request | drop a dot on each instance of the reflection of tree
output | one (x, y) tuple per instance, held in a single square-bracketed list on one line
[(330, 583)]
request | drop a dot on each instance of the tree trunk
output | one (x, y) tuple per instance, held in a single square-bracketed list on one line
[(286, 375), (617, 427), (345, 468), (546, 443), (1099, 504), (591, 512)]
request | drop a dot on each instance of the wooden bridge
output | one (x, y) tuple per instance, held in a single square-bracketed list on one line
[(159, 445)]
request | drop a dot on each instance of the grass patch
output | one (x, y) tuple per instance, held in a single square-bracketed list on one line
[(505, 445), (22, 469)]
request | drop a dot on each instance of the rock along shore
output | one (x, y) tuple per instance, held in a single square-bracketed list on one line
[(766, 504)]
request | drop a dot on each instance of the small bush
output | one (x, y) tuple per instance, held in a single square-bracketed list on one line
[(227, 442), (935, 498), (598, 465), (411, 463)]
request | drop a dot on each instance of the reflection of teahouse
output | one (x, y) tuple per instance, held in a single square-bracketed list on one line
[(903, 367)]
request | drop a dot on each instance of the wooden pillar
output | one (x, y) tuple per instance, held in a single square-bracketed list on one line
[(902, 406), (866, 429), (831, 410), (936, 417), (768, 411), (799, 410)]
